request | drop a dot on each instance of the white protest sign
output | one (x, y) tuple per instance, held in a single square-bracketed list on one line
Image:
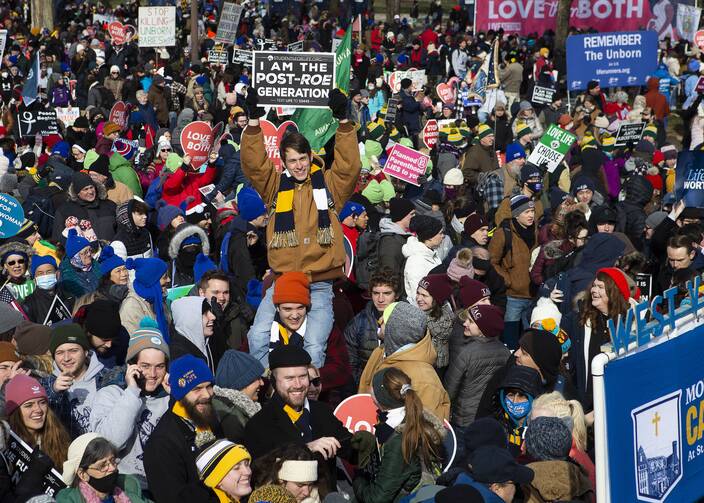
[(68, 115), (3, 42), (229, 21), (157, 26), (294, 79)]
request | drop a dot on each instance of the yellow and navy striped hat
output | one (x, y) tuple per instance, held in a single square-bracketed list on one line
[(608, 143), (522, 129), (651, 130), (588, 141), (217, 459), (375, 131)]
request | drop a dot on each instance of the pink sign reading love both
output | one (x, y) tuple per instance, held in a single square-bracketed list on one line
[(406, 164)]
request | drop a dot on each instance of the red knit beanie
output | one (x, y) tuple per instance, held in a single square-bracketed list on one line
[(438, 286), (655, 181), (292, 287), (489, 319), (21, 389), (619, 278), (472, 291)]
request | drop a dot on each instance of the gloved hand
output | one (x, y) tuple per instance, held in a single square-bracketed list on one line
[(364, 443), (217, 309), (338, 104), (252, 102)]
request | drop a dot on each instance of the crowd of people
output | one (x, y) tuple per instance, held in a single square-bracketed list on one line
[(172, 332)]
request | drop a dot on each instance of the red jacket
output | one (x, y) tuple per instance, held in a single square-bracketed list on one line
[(180, 185), (656, 100), (376, 39), (429, 37), (337, 371)]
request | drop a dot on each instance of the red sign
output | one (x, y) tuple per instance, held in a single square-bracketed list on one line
[(357, 413), (699, 39), (272, 139), (431, 133), (406, 164), (120, 33), (529, 16), (119, 114), (446, 93), (196, 141)]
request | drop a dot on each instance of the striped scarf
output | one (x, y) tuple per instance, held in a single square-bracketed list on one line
[(285, 226), (280, 335)]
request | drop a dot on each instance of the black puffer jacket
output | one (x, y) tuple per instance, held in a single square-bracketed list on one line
[(638, 193), (100, 213)]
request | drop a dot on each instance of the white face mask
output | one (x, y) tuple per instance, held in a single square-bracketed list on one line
[(46, 282)]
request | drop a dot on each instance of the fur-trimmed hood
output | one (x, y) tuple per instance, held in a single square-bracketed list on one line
[(184, 231), (99, 188), (554, 249), (239, 400), (17, 247)]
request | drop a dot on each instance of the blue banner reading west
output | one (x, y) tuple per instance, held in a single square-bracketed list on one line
[(614, 59)]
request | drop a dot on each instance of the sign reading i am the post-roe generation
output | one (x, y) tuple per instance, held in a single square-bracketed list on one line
[(614, 59), (294, 79)]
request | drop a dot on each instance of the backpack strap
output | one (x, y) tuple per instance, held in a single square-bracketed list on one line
[(508, 237)]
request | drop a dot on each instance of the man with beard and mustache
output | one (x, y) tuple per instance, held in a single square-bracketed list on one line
[(170, 454), (291, 417)]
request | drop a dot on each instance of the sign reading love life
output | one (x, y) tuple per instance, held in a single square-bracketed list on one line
[(295, 79), (551, 149)]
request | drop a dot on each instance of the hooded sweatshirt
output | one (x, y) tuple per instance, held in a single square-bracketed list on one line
[(419, 261), (187, 313), (127, 418), (391, 241)]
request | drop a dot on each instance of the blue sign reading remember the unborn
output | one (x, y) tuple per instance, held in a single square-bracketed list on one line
[(11, 216), (689, 178), (614, 59)]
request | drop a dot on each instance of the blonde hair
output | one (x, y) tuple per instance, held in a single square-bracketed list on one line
[(464, 257), (554, 404)]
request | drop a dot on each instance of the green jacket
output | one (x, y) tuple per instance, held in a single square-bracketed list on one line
[(122, 171), (127, 483), (395, 478)]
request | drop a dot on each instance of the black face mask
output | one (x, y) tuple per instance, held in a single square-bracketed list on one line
[(482, 265), (105, 485)]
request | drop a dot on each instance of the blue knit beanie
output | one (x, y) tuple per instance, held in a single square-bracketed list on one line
[(60, 149), (515, 151), (108, 260), (38, 260), (202, 265), (237, 370), (75, 243), (250, 204), (148, 272), (187, 372), (166, 214), (351, 208)]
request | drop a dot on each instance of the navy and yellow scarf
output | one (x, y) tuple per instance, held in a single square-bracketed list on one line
[(285, 226)]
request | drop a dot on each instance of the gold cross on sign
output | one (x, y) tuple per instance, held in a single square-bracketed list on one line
[(655, 421)]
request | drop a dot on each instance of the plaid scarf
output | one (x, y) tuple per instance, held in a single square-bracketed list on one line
[(285, 226)]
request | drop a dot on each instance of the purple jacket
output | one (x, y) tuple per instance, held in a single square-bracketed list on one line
[(60, 96), (612, 170)]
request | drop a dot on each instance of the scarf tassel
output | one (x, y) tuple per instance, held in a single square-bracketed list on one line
[(325, 236), (285, 239)]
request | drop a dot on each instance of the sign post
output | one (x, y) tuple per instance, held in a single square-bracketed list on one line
[(296, 79), (552, 148)]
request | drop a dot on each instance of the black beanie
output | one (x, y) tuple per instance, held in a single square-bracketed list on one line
[(545, 350), (101, 165), (425, 227), (399, 208), (81, 181), (103, 319)]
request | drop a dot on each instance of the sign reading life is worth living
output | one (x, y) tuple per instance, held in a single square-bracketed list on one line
[(229, 21), (552, 148), (542, 95), (157, 26), (689, 178), (296, 79)]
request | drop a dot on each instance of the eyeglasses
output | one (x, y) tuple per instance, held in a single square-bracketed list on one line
[(105, 466), (316, 382), (13, 262)]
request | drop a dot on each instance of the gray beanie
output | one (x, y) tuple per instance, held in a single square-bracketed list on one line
[(548, 438), (9, 318), (406, 325), (655, 219)]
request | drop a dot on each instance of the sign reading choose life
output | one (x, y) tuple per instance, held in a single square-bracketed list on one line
[(294, 79)]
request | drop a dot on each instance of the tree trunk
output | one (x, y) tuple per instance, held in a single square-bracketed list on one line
[(42, 14), (563, 24), (393, 7), (195, 42)]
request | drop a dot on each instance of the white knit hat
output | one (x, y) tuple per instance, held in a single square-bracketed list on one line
[(75, 455), (453, 177), (299, 471), (545, 309)]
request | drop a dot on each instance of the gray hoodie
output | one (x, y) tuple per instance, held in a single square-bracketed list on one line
[(127, 419), (81, 394), (187, 313)]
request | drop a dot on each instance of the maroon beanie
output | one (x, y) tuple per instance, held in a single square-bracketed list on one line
[(489, 319), (473, 223), (21, 389), (472, 291), (438, 286)]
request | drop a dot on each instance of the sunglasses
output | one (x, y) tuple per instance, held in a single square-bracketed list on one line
[(315, 382), (13, 262), (166, 150)]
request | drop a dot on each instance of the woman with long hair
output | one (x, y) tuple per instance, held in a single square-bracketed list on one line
[(409, 442), (431, 296), (91, 474), (29, 418), (608, 297)]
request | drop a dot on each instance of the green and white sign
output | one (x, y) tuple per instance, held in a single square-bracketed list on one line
[(552, 148)]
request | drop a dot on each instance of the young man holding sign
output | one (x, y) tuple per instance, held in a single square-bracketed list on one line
[(304, 233)]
